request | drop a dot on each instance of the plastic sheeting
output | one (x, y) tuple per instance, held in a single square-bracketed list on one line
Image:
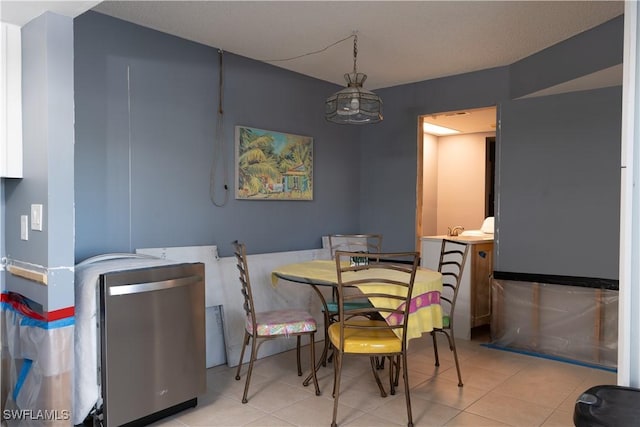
[(568, 322), (38, 357)]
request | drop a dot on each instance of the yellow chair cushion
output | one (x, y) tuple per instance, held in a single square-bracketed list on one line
[(365, 341)]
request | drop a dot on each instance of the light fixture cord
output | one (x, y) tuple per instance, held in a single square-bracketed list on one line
[(308, 53), (218, 148), (355, 53)]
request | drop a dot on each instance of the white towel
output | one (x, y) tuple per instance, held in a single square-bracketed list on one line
[(487, 225)]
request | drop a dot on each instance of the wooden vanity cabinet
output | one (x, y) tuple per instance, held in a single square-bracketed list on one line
[(481, 269)]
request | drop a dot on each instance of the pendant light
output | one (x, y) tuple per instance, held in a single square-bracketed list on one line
[(354, 104)]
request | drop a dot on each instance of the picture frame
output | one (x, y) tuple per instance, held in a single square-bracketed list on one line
[(272, 165)]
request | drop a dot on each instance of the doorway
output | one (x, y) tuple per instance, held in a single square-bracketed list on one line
[(455, 170)]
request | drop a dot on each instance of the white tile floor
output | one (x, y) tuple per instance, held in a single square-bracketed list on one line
[(500, 389)]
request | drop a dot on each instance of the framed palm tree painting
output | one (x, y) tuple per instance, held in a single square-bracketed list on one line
[(273, 165)]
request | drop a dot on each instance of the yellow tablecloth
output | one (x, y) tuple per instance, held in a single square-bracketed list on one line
[(425, 309)]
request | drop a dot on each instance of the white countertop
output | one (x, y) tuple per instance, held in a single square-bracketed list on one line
[(488, 238)]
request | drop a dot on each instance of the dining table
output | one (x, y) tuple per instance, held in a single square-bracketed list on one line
[(425, 311)]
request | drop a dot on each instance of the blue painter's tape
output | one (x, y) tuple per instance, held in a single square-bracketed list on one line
[(550, 357), (26, 367), (28, 321)]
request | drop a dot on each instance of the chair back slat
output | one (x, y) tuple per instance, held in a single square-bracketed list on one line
[(240, 253), (368, 242), (453, 256)]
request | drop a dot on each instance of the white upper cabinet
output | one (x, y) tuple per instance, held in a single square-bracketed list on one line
[(10, 101)]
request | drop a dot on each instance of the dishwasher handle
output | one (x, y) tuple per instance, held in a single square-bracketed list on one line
[(153, 286)]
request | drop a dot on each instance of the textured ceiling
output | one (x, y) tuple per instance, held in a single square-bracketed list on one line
[(22, 11), (398, 42)]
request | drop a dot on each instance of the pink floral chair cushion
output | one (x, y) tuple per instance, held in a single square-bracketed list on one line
[(282, 322)]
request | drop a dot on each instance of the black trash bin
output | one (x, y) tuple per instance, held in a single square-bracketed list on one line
[(608, 406)]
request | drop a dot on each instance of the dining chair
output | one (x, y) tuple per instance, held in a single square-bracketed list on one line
[(355, 333), (453, 255), (264, 325), (355, 243), (371, 243)]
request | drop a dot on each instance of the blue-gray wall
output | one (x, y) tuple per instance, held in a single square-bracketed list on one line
[(585, 53), (388, 199), (559, 184), (48, 149), (146, 106), (145, 126), (389, 150)]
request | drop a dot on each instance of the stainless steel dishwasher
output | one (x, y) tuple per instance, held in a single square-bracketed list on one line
[(152, 342)]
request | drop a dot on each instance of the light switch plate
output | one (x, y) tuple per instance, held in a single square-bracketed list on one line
[(36, 217), (24, 227)]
